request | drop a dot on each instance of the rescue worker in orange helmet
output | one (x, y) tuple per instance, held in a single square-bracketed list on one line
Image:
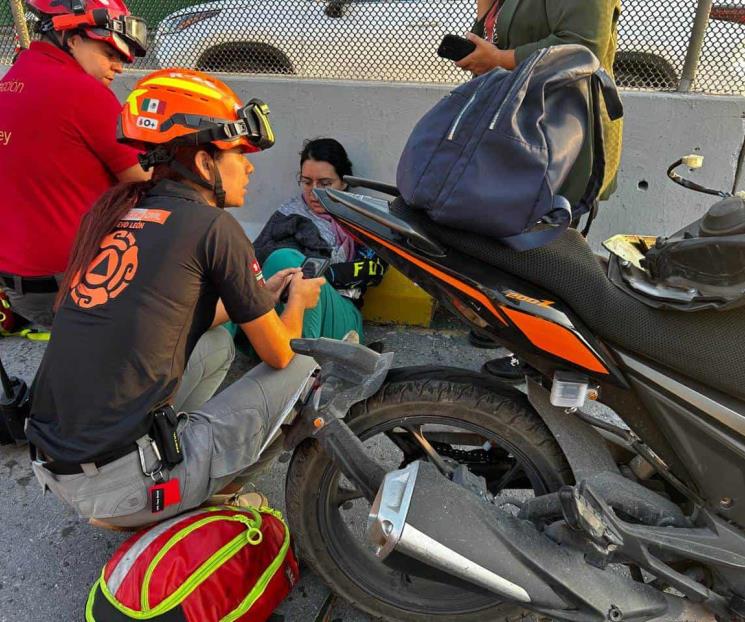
[(156, 268), (56, 101)]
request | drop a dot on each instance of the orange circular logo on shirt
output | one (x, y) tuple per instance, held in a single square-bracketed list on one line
[(109, 274)]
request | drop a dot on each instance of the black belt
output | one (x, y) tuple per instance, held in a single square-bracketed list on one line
[(31, 284), (74, 468)]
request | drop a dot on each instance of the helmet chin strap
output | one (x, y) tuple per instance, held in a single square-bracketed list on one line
[(59, 39), (216, 187)]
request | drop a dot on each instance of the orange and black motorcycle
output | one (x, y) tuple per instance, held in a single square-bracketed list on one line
[(442, 494)]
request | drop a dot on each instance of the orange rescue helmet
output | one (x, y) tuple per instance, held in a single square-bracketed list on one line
[(185, 107), (171, 108)]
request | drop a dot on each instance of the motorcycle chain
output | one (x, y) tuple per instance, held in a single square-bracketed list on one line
[(473, 456)]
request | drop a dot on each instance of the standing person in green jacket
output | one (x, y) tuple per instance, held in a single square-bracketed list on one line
[(506, 33)]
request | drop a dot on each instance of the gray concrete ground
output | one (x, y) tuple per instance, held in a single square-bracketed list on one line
[(49, 558)]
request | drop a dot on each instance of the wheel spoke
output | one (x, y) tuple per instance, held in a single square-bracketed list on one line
[(403, 441), (346, 495), (418, 435), (456, 438), (507, 477)]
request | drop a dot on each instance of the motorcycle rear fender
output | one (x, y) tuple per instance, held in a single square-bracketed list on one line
[(586, 451)]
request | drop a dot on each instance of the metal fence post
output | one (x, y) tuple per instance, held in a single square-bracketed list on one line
[(19, 18), (693, 55)]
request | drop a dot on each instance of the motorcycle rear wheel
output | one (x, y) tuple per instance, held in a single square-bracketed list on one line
[(319, 499)]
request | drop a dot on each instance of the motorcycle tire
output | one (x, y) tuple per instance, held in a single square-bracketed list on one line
[(448, 396)]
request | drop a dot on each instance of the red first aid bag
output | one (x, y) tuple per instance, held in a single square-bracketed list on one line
[(220, 564)]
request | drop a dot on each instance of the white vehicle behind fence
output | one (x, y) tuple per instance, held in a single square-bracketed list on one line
[(397, 39)]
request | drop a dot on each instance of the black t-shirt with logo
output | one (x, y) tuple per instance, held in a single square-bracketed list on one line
[(122, 337)]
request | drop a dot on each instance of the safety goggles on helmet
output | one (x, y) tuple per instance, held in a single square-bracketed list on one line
[(125, 33), (252, 124)]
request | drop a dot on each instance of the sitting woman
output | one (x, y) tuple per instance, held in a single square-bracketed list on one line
[(302, 228)]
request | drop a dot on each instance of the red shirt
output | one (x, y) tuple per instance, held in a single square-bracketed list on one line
[(58, 154)]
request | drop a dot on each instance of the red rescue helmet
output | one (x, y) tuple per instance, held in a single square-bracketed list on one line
[(101, 20)]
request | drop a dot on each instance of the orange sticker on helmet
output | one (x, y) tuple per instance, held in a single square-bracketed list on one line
[(109, 274)]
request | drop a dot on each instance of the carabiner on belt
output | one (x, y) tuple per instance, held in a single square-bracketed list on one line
[(156, 473)]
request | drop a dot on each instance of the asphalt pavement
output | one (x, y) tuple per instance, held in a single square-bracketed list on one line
[(49, 558)]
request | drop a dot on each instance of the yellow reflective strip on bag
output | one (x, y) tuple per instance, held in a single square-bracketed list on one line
[(89, 602), (201, 573), (205, 570), (268, 575)]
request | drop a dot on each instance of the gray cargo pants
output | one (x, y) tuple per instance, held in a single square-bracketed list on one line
[(220, 438)]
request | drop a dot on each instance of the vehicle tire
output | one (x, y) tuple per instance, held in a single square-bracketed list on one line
[(245, 58), (446, 399), (642, 70)]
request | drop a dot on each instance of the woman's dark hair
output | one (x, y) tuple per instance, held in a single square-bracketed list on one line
[(327, 150), (111, 207)]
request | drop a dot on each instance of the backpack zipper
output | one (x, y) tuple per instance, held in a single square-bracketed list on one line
[(456, 123), (516, 87)]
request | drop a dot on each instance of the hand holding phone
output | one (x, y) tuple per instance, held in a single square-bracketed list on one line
[(455, 48), (312, 268)]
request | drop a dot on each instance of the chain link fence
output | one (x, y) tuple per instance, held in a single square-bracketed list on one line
[(396, 40)]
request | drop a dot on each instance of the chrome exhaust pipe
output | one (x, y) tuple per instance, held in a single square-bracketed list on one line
[(388, 530), (436, 523)]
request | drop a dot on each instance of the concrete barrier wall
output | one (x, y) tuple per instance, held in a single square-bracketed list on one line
[(373, 120)]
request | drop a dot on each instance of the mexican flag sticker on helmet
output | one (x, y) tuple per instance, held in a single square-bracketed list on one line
[(153, 105)]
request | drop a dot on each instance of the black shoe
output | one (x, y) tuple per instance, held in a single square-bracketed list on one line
[(481, 341), (508, 369)]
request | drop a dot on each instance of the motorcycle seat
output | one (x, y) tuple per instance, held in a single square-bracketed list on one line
[(705, 346)]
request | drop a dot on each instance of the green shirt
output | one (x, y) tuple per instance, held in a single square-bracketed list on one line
[(530, 25)]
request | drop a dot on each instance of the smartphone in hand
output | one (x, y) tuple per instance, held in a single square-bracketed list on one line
[(455, 47), (312, 268)]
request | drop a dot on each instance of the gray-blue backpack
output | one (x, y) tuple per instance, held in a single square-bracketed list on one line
[(491, 157)]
